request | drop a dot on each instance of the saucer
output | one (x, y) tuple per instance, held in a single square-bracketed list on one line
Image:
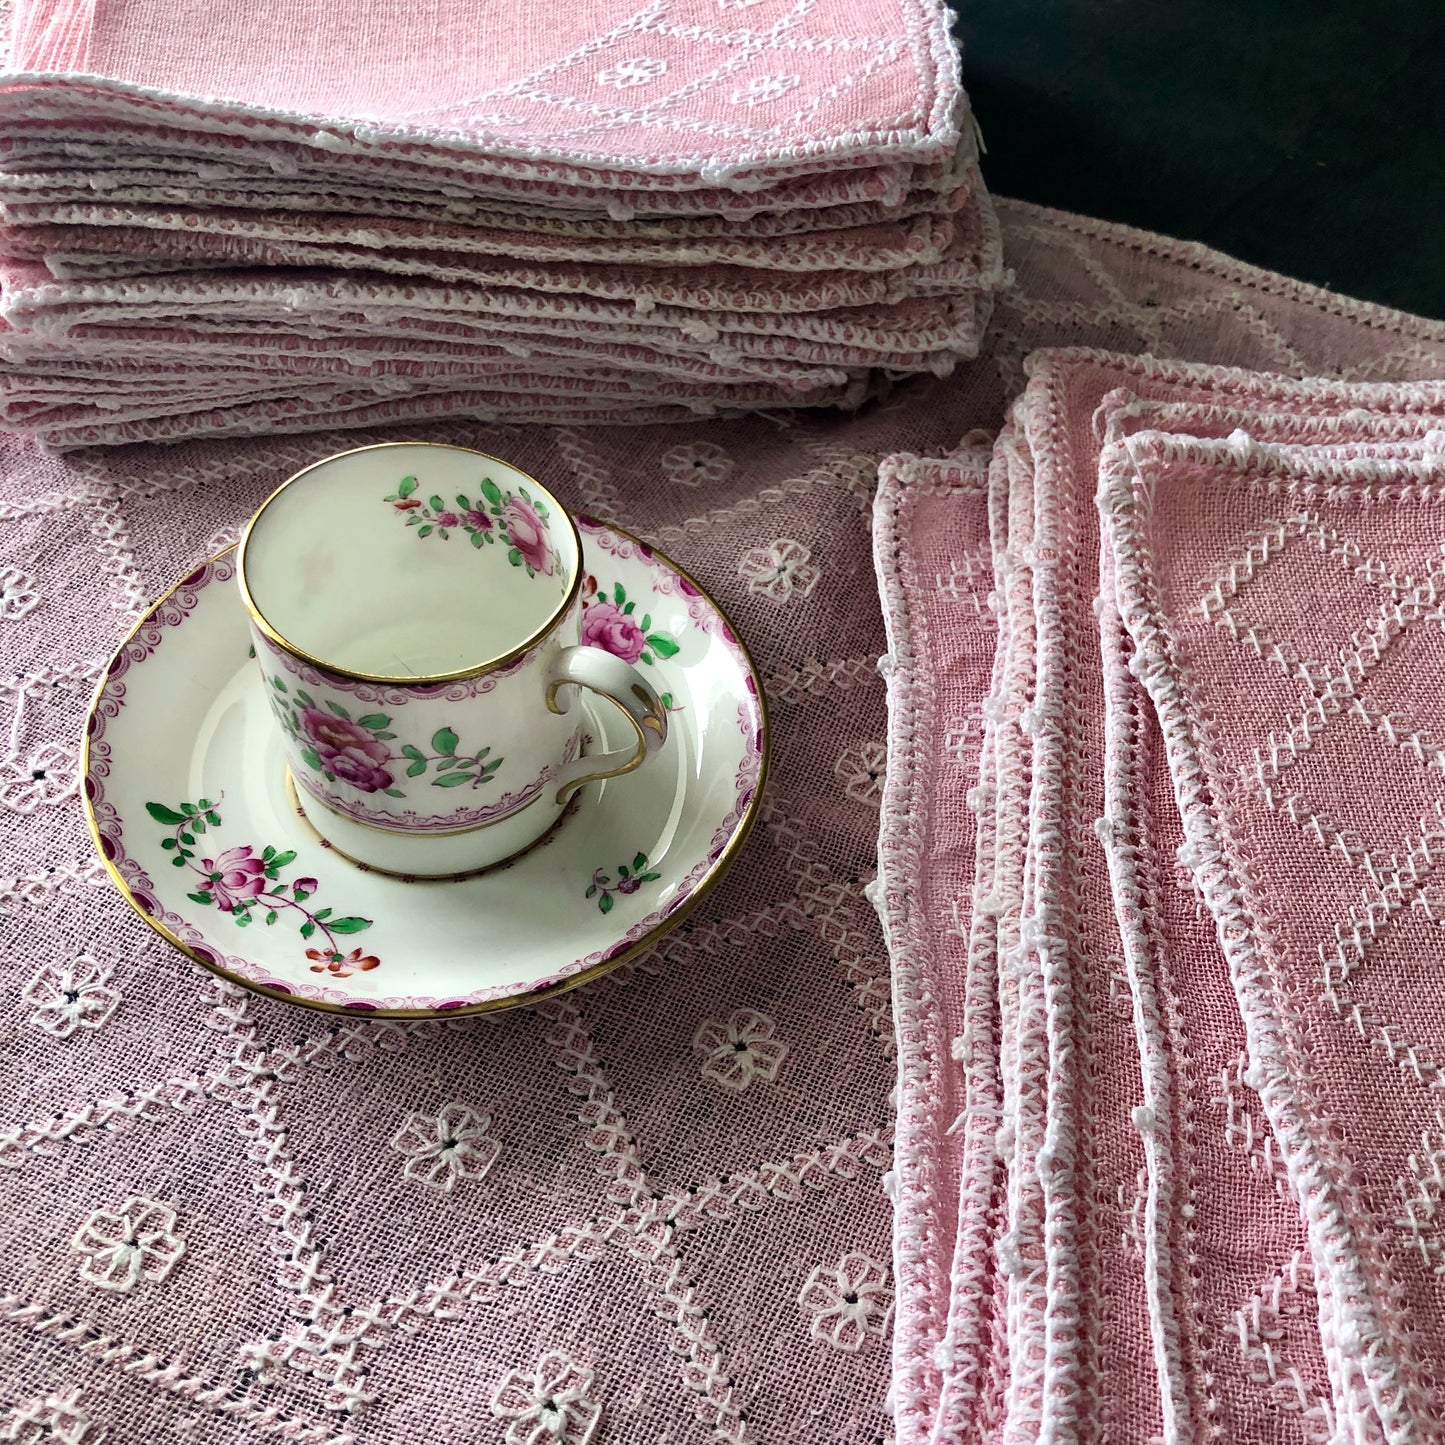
[(196, 820)]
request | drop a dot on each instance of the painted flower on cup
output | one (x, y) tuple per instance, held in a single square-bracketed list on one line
[(612, 622), (628, 880), (518, 517), (359, 751), (248, 885)]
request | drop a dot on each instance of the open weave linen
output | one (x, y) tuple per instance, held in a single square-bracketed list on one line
[(1215, 1279), (666, 1241)]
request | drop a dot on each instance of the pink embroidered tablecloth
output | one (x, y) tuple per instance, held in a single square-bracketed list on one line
[(667, 1219)]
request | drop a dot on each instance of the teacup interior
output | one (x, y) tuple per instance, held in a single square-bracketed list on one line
[(409, 560)]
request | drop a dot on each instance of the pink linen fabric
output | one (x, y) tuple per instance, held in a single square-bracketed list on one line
[(661, 94), (666, 1243), (706, 168), (1207, 1320)]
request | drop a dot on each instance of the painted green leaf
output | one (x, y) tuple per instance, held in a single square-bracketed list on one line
[(452, 780), (639, 862), (168, 843), (649, 877), (406, 487), (444, 740), (410, 750), (605, 903), (443, 533), (646, 621), (393, 792), (307, 929), (272, 874), (180, 862), (242, 919), (663, 645), (618, 595), (340, 711), (390, 497), (305, 698), (278, 684), (349, 925), (591, 892), (491, 492), (414, 519), (515, 558), (373, 720), (311, 758), (200, 897), (299, 893), (198, 824), (462, 502), (436, 504), (424, 531), (189, 809), (477, 539), (628, 609), (417, 768), (204, 804), (622, 871), (282, 859), (213, 818), (645, 657), (267, 854), (666, 701), (386, 737), (321, 914), (186, 838), (271, 917)]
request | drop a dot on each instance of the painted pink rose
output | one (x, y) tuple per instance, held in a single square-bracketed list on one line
[(352, 765), (448, 519), (348, 750), (606, 625), (478, 519), (527, 532), (233, 877)]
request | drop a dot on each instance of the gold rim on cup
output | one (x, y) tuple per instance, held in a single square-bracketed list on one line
[(460, 674)]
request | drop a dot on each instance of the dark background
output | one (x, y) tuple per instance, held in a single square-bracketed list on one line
[(1306, 138)]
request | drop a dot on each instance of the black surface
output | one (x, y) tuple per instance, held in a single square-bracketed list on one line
[(1306, 138)]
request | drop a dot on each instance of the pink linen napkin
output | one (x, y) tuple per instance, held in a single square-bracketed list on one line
[(1327, 924), (668, 93)]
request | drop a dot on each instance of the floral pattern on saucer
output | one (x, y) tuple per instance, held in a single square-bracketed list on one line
[(612, 621), (248, 885)]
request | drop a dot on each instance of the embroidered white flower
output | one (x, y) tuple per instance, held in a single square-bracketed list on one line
[(635, 70), (47, 776), (550, 1408), (967, 580), (125, 1246), (763, 88), (849, 1303), (861, 772), (445, 1148), (741, 1050), (697, 463), (779, 571), (70, 996), (17, 592), (55, 1420)]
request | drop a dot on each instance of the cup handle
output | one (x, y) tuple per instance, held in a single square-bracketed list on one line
[(621, 684)]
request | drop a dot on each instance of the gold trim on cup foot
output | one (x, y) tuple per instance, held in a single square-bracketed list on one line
[(293, 797)]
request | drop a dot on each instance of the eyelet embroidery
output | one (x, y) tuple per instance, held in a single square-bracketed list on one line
[(123, 1248), (447, 1148)]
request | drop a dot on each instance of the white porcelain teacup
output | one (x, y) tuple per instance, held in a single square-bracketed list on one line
[(415, 610)]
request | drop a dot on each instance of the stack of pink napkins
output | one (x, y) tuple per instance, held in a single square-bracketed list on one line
[(1160, 886), (222, 218)]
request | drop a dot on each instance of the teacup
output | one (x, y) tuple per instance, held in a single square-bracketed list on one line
[(415, 611)]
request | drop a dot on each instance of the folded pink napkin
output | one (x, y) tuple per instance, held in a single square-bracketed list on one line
[(665, 95)]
